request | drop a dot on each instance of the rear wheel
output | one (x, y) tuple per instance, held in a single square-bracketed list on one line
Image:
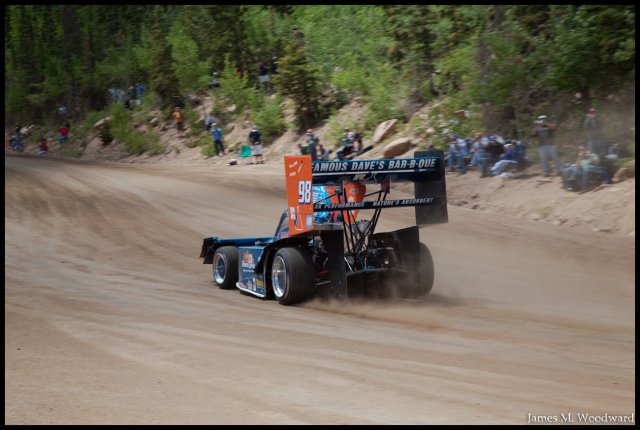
[(422, 283), (292, 276), (225, 267)]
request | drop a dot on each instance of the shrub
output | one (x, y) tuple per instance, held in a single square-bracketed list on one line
[(270, 119)]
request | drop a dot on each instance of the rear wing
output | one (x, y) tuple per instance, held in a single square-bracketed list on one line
[(347, 179)]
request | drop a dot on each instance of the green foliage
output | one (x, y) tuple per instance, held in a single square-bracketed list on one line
[(192, 121), (270, 119), (192, 74), (382, 98), (297, 79), (235, 89), (501, 61), (121, 129), (208, 150)]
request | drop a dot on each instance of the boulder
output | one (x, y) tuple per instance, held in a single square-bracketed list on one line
[(102, 122), (620, 175), (397, 147), (154, 121), (385, 129)]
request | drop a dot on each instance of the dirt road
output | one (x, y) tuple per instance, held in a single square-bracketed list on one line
[(111, 317)]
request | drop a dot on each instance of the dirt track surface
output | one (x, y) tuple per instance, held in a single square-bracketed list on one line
[(111, 317)]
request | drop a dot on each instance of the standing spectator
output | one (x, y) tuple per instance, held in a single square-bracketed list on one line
[(217, 139), (140, 91), (546, 145), (64, 134), (263, 75), (593, 133), (43, 147), (63, 111), (255, 139), (274, 66), (178, 116), (312, 143)]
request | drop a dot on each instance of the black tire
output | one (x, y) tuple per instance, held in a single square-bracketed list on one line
[(422, 282), (225, 267), (292, 276), (426, 273)]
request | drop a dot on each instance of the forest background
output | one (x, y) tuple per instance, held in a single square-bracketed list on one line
[(503, 65)]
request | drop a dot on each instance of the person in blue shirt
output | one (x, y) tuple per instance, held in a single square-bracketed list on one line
[(217, 139)]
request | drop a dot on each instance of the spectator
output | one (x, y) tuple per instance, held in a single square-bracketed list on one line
[(178, 116), (63, 111), (357, 139), (304, 149), (350, 135), (509, 158), (312, 143), (587, 167), (464, 147), (217, 139), (274, 66), (43, 147), (453, 152), (208, 121), (132, 91), (546, 145), (323, 152), (347, 146), (140, 92), (475, 145), (255, 139), (263, 75), (593, 133), (490, 151), (214, 81), (64, 134)]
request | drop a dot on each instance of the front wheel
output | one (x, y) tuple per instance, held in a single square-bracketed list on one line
[(225, 267), (292, 276)]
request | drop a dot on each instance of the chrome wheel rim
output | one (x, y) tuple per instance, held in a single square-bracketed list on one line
[(219, 268), (279, 276)]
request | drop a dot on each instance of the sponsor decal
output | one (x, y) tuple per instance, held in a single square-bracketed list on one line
[(386, 166), (247, 261), (374, 204)]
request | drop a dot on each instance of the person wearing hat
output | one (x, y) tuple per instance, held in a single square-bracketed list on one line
[(546, 145), (217, 139), (312, 144), (255, 139)]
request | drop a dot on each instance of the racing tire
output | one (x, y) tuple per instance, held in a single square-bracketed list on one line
[(292, 276), (225, 267), (424, 276)]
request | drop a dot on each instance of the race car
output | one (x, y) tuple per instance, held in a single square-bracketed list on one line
[(320, 247)]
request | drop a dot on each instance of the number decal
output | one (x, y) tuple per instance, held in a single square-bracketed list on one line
[(304, 192)]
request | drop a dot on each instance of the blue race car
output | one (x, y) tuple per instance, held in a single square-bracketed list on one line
[(320, 248)]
